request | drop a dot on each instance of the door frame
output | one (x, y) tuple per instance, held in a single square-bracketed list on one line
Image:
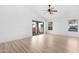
[(37, 25)]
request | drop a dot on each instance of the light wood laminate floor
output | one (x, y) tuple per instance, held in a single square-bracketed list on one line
[(42, 44)]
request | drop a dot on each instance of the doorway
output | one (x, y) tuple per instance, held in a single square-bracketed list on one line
[(37, 27)]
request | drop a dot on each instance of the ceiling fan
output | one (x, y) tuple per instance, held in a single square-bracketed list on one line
[(51, 9)]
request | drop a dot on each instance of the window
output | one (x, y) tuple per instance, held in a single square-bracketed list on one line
[(73, 25), (50, 25)]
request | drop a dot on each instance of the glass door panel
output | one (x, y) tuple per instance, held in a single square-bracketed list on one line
[(34, 28), (40, 28)]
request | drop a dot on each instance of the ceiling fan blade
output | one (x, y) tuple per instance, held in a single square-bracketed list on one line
[(54, 10), (45, 10)]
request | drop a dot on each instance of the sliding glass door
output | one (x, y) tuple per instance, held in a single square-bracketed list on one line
[(37, 27)]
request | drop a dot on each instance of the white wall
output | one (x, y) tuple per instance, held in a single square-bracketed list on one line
[(36, 10), (60, 20), (16, 22)]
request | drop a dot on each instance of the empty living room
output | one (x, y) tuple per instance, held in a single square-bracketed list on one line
[(39, 28)]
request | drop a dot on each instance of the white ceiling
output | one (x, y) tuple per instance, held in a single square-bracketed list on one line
[(64, 11)]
